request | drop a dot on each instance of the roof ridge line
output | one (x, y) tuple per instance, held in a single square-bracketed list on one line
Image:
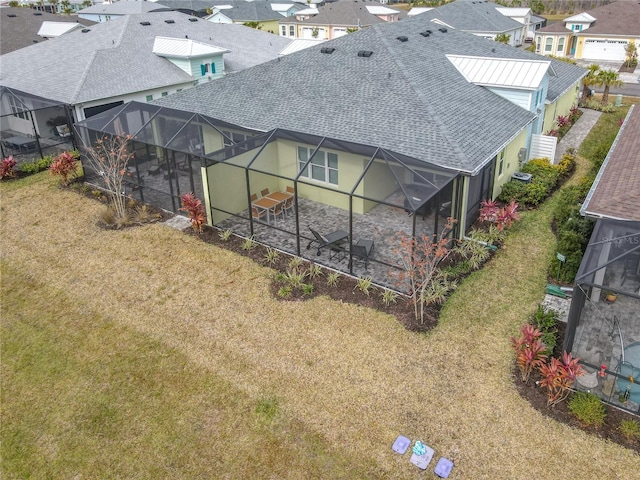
[(436, 118)]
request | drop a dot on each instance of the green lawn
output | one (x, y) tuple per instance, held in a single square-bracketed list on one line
[(145, 353)]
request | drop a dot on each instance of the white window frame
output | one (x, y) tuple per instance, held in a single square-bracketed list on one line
[(17, 109), (548, 46), (319, 164), (236, 137), (501, 164), (560, 47)]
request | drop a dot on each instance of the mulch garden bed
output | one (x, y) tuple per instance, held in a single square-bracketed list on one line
[(537, 397)]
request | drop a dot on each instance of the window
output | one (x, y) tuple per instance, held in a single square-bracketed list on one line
[(323, 166), (231, 138), (500, 163), (149, 98), (284, 30), (17, 109), (548, 45), (561, 45), (164, 94), (292, 31)]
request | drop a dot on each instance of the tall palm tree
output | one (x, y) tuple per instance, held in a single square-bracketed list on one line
[(589, 80), (608, 78), (87, 3), (40, 4), (54, 5)]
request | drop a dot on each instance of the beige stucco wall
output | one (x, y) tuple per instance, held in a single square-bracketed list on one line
[(511, 163), (561, 107)]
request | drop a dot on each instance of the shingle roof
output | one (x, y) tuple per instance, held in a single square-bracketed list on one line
[(618, 18), (243, 11), (616, 191), (343, 12), (406, 97), (122, 7), (22, 30), (473, 16), (116, 57)]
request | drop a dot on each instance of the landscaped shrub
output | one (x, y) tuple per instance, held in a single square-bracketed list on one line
[(543, 172), (597, 105), (64, 165), (544, 180), (529, 350), (36, 166), (194, 208), (545, 320), (567, 163), (630, 429), (588, 408), (558, 376), (7, 168)]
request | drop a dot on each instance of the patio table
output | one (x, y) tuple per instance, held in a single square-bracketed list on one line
[(280, 197), (266, 203), (20, 143)]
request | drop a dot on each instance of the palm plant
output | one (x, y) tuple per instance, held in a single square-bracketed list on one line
[(589, 80), (608, 78), (54, 5)]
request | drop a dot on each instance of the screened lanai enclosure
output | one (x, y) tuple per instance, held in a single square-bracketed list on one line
[(32, 127), (604, 325), (336, 203)]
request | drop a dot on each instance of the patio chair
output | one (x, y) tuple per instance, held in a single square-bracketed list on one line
[(288, 205), (254, 197), (278, 210), (290, 190), (361, 251), (264, 192), (331, 240), (258, 213)]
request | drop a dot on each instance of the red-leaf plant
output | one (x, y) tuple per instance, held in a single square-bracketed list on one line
[(193, 206), (64, 165), (7, 168), (558, 376), (502, 217), (529, 350)]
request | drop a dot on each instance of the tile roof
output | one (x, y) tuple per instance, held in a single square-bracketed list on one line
[(80, 67), (616, 192), (22, 30), (473, 16), (406, 97)]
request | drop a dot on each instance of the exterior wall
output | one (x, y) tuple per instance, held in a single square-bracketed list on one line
[(138, 96), (100, 18), (560, 107), (511, 163), (522, 98), (559, 48)]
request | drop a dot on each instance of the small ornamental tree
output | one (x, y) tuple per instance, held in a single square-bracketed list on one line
[(64, 166), (558, 376), (420, 258), (193, 206), (109, 159), (529, 350), (7, 168)]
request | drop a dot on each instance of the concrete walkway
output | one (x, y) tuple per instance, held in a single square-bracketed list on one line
[(577, 133)]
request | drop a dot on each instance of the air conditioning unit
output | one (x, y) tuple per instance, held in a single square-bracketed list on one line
[(522, 177)]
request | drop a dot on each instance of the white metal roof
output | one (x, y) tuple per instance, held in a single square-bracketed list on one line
[(418, 10), (581, 17), (307, 11), (380, 10), (183, 48), (55, 29), (514, 11), (281, 7), (499, 72), (299, 44)]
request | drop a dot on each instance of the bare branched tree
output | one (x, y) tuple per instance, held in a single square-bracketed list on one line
[(109, 158)]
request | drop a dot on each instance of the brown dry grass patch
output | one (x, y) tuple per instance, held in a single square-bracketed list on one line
[(352, 375)]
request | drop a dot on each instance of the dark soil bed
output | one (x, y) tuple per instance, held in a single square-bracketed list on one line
[(537, 397)]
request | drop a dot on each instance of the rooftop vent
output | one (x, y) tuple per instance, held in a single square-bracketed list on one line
[(145, 24), (402, 39), (365, 53), (37, 14), (85, 30), (169, 21), (327, 50), (443, 30), (193, 19), (11, 15), (425, 33)]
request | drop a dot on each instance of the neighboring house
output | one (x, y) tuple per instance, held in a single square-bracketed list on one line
[(258, 12), (418, 10), (139, 57), (480, 18), (599, 331), (336, 19), (287, 9), (74, 5), (521, 15), (110, 11), (21, 27), (300, 44), (601, 34), (364, 135), (196, 8)]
